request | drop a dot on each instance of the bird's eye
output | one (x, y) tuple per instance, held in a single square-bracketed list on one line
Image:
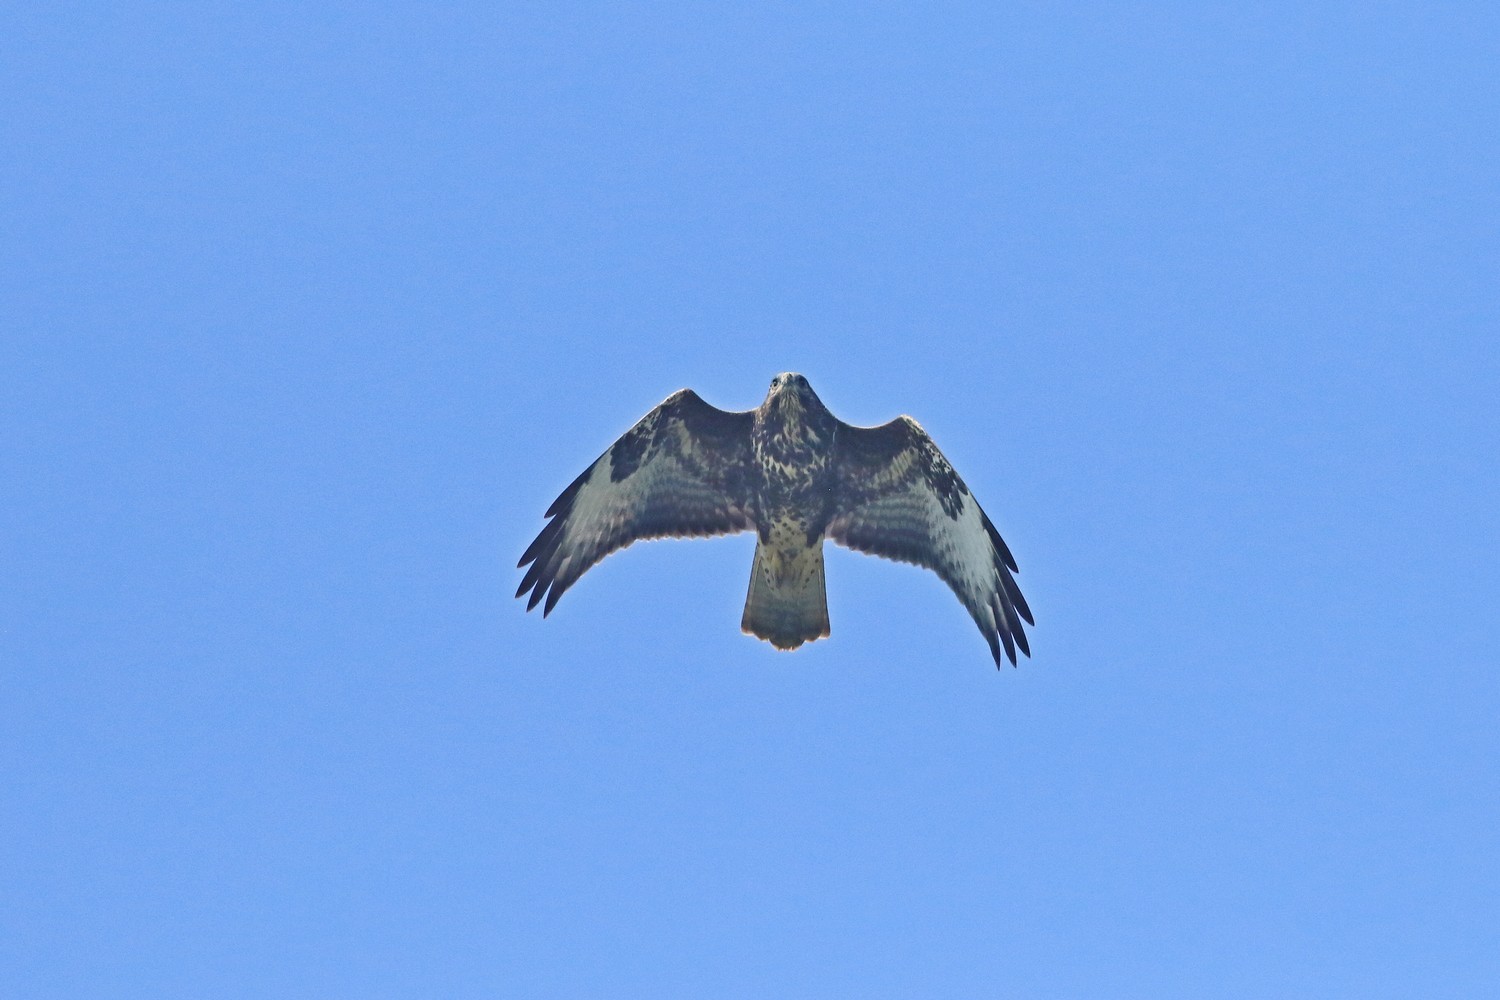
[(775, 382)]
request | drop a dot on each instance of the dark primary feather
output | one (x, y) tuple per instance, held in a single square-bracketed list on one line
[(898, 497), (682, 470)]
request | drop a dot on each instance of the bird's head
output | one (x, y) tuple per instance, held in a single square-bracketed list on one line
[(793, 406), (790, 390)]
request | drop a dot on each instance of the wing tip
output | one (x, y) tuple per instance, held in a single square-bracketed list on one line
[(536, 595), (1006, 629)]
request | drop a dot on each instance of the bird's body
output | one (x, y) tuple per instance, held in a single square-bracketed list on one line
[(795, 474), (791, 441)]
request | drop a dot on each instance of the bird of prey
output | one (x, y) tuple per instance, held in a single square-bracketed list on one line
[(794, 474)]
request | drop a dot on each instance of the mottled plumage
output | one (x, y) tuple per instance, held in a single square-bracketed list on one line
[(795, 474)]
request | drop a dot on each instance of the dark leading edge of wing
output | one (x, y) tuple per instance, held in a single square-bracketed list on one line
[(681, 471), (898, 497)]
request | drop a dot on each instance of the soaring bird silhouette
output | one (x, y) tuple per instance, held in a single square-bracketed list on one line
[(794, 474)]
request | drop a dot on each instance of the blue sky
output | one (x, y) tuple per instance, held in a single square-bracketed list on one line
[(310, 313)]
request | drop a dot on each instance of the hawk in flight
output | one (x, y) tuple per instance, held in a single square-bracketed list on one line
[(794, 474)]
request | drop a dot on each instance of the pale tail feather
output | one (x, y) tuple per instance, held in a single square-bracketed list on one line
[(788, 602)]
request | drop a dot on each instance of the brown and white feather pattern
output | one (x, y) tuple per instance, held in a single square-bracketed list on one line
[(679, 472), (898, 497), (796, 475)]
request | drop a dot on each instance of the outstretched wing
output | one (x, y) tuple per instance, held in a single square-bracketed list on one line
[(898, 497), (681, 471)]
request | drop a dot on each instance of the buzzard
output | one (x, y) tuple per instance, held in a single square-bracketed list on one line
[(794, 474)]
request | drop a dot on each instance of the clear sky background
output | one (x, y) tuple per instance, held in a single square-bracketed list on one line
[(308, 314)]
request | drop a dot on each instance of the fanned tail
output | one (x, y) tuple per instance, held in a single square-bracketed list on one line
[(788, 601)]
